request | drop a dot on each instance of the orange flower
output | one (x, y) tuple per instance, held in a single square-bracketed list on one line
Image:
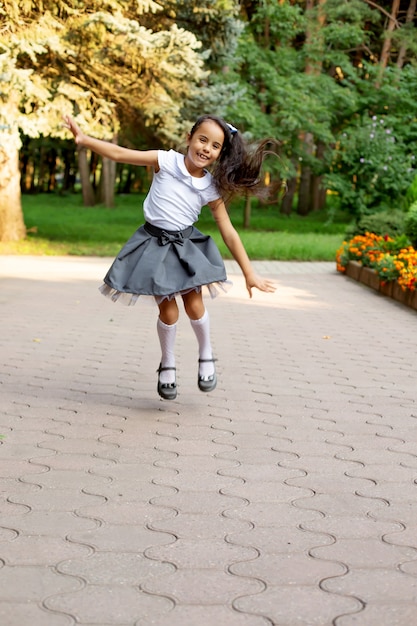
[(374, 250)]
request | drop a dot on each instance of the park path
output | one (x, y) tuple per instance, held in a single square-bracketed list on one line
[(287, 496)]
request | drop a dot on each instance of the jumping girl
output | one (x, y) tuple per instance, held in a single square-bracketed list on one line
[(167, 256)]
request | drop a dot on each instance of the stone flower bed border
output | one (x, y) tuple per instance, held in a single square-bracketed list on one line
[(370, 278)]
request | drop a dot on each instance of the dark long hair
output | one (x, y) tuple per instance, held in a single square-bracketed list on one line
[(237, 170)]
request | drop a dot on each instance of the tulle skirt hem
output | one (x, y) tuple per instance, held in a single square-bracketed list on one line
[(213, 290)]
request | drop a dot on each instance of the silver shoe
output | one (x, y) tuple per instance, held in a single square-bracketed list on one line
[(207, 383), (167, 391)]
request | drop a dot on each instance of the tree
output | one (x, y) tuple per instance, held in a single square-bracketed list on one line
[(307, 200), (104, 67), (386, 46), (11, 220), (308, 71), (283, 88), (405, 44), (373, 162)]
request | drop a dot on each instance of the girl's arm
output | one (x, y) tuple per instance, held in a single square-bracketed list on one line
[(232, 240), (110, 150)]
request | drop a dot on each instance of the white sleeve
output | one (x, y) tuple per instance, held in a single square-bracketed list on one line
[(166, 159)]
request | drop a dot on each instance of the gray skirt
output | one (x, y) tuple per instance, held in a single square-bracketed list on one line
[(163, 264)]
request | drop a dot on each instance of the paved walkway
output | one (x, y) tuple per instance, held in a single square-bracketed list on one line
[(287, 496)]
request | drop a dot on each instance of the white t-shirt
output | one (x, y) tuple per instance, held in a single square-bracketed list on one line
[(176, 198)]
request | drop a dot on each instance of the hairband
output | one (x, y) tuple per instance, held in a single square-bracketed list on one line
[(232, 129)]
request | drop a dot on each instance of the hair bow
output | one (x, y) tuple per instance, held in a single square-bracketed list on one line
[(232, 129)]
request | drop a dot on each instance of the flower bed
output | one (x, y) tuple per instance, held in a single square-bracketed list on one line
[(386, 264)]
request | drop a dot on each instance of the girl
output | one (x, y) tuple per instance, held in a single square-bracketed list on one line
[(168, 256)]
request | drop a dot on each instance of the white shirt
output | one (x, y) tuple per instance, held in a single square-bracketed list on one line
[(175, 198)]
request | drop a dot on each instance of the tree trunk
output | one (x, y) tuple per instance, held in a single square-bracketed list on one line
[(89, 198), (247, 212), (386, 46), (52, 167), (314, 35), (108, 180), (411, 11), (125, 180), (318, 192), (305, 203), (313, 67), (288, 199), (12, 226)]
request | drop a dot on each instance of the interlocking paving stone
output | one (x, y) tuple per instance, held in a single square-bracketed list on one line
[(188, 615), (23, 612), (360, 553), (287, 496), (279, 538), (55, 499), (290, 568), (51, 523), (375, 585), (200, 526), (203, 586), (32, 583), (282, 605), (119, 568), (121, 538), (405, 535), (352, 527), (40, 550), (112, 604), (395, 614), (201, 554)]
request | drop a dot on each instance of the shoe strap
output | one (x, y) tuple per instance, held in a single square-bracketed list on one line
[(207, 360)]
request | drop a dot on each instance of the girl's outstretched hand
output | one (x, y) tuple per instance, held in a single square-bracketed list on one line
[(74, 128), (263, 284)]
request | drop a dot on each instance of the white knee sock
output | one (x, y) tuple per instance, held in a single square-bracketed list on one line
[(201, 328), (167, 334)]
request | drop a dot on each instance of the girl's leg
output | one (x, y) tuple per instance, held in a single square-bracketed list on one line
[(167, 330), (200, 322)]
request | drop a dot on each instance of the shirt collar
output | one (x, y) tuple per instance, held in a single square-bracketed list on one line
[(197, 183)]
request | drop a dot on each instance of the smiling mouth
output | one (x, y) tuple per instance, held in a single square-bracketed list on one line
[(202, 156)]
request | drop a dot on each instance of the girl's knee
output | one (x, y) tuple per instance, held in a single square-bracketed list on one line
[(194, 306), (168, 311)]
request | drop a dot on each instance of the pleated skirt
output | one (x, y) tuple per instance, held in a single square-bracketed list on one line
[(164, 264)]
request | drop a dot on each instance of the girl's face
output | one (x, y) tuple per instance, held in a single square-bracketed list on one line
[(204, 147)]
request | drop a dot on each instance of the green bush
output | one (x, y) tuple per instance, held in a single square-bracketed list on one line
[(391, 223), (411, 195), (374, 164), (411, 224)]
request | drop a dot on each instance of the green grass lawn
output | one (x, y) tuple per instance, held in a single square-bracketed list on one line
[(60, 225)]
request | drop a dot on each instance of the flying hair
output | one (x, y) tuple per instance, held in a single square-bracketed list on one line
[(237, 171)]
